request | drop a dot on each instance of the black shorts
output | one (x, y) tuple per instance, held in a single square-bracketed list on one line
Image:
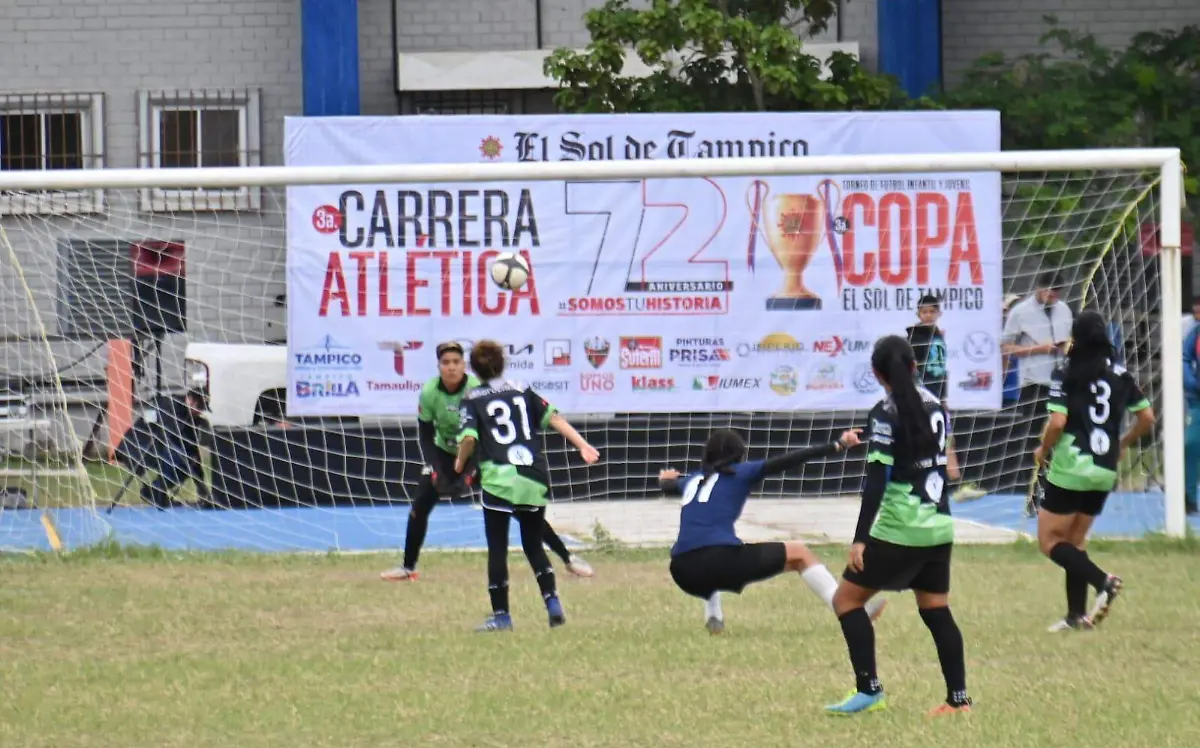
[(726, 568), (887, 566), (449, 483), (1065, 501)]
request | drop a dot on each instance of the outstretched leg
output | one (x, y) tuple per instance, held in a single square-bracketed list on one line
[(818, 578)]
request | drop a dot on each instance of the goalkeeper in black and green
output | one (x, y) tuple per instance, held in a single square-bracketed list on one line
[(437, 431)]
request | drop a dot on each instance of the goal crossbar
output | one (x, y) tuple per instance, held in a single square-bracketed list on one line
[(282, 176)]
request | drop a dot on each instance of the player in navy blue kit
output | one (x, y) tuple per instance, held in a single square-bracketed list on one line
[(708, 557)]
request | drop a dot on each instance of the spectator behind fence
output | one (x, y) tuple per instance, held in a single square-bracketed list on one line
[(1035, 335), (1191, 435)]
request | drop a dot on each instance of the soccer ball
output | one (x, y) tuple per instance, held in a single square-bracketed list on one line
[(510, 271)]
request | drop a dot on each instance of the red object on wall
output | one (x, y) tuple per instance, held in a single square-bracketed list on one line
[(152, 258), (1151, 243)]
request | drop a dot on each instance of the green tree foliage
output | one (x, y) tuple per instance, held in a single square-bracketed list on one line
[(714, 56), (1085, 95)]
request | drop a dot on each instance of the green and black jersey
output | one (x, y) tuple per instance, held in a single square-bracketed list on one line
[(506, 419), (439, 407), (1086, 457), (914, 510)]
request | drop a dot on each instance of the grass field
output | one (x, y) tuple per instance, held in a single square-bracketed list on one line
[(113, 648)]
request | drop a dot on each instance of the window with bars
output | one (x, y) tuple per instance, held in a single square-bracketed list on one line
[(40, 132), (188, 129), (461, 102)]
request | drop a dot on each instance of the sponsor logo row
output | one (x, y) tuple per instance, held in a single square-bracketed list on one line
[(327, 369)]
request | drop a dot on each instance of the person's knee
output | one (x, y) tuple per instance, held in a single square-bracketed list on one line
[(847, 597), (1050, 533), (798, 556), (931, 600)]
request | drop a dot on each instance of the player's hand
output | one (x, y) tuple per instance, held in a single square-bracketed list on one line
[(668, 474), (1039, 456), (850, 439), (590, 454), (856, 556)]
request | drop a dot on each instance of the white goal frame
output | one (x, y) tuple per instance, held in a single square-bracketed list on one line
[(1166, 161)]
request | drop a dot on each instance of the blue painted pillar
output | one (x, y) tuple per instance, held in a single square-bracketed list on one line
[(329, 57), (910, 43)]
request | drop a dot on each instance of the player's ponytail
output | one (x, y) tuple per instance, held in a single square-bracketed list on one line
[(1090, 353), (722, 451), (894, 365)]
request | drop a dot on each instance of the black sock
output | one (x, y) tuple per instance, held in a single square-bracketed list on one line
[(949, 642), (1077, 595), (860, 641), (1073, 560), (414, 537), (545, 580), (499, 595), (555, 543)]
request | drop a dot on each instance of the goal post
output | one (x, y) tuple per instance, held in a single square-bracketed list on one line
[(1088, 211)]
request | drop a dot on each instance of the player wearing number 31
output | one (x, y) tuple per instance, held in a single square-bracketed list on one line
[(708, 558), (1088, 398), (501, 423), (905, 534)]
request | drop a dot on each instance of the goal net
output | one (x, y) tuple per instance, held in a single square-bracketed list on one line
[(122, 292)]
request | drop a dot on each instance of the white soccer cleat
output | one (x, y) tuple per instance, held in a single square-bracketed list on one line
[(1070, 624), (579, 567), (400, 574)]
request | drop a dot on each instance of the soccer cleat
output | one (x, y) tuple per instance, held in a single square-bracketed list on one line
[(495, 622), (554, 609), (968, 492), (946, 708), (715, 625), (1070, 623), (1104, 600), (400, 574), (858, 702), (579, 567)]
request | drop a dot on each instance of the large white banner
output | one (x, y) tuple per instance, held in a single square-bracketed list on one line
[(731, 294)]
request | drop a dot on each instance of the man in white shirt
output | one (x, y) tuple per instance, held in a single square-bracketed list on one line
[(1036, 333)]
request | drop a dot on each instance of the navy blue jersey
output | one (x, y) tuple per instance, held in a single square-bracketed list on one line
[(711, 506)]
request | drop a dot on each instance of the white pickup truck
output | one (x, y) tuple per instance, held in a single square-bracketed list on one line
[(246, 384)]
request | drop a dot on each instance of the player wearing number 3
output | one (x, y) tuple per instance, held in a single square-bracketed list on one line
[(905, 534), (708, 558), (1088, 397), (501, 424)]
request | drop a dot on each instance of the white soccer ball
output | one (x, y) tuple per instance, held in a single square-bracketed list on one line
[(510, 271)]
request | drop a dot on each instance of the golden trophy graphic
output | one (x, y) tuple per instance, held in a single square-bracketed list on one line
[(792, 225)]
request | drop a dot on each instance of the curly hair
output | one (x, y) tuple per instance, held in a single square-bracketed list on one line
[(487, 360)]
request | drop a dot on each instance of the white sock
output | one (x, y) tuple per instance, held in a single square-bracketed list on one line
[(712, 607), (821, 582)]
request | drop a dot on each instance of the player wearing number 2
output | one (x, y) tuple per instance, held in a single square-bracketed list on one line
[(904, 535), (501, 425), (1088, 397), (708, 558)]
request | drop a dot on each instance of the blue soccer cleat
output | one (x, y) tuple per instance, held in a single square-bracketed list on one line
[(858, 702), (554, 609), (495, 622)]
